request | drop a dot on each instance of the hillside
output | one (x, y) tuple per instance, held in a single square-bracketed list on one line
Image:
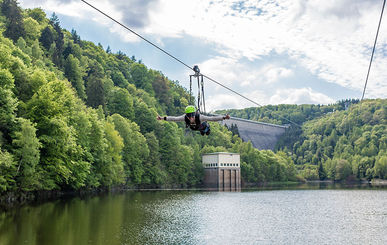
[(344, 140), (75, 116)]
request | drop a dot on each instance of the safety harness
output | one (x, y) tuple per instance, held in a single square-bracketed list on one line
[(195, 126)]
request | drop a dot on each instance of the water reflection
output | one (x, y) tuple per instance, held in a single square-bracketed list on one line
[(64, 222), (288, 215), (328, 185)]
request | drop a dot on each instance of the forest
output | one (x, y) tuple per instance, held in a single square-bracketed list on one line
[(343, 141), (76, 116)]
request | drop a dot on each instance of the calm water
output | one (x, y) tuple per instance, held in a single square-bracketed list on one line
[(298, 216)]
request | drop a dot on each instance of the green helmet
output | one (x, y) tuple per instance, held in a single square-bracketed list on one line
[(190, 109)]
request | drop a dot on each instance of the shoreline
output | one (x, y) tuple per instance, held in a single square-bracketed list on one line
[(14, 199)]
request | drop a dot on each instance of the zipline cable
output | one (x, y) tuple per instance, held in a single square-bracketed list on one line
[(178, 60), (373, 50)]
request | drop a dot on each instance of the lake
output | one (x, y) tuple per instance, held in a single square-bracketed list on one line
[(296, 215)]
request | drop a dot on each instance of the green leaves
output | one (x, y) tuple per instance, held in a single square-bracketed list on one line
[(8, 168), (141, 77), (74, 75), (14, 20), (120, 102), (51, 140), (8, 101), (135, 151), (27, 152), (354, 136), (95, 89), (113, 170)]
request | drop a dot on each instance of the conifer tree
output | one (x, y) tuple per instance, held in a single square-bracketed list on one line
[(59, 41), (95, 90), (321, 172), (14, 23), (47, 37), (76, 38)]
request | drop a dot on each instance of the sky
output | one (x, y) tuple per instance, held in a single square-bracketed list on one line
[(272, 52)]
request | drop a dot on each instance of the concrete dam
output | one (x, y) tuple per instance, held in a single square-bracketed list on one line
[(263, 136)]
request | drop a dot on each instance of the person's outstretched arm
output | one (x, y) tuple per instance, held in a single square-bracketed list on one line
[(173, 119), (214, 118)]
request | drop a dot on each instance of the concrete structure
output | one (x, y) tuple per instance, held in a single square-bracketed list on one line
[(222, 171), (263, 136)]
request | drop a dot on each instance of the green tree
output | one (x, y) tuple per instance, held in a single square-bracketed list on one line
[(51, 108), (381, 167), (119, 79), (8, 103), (36, 51), (161, 89), (35, 80), (154, 172), (26, 151), (74, 75), (37, 14), (59, 41), (14, 24), (32, 29), (47, 37), (76, 38), (141, 77), (343, 169), (168, 147), (183, 168), (95, 89), (21, 43), (120, 101), (144, 116), (7, 171), (135, 150), (113, 172), (95, 141), (310, 172), (321, 172)]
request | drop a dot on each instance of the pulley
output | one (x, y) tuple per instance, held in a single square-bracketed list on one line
[(201, 105)]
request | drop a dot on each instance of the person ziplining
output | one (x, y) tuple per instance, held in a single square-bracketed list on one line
[(198, 75), (193, 117), (194, 120)]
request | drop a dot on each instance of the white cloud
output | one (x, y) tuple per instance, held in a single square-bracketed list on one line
[(230, 101), (65, 7), (233, 72), (281, 96), (84, 12), (299, 96), (222, 101), (273, 73), (332, 39)]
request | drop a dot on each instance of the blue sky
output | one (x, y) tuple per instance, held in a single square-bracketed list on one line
[(273, 52)]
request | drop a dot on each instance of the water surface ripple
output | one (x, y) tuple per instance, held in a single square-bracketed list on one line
[(199, 217)]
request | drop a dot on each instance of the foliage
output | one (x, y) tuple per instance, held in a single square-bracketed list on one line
[(135, 150), (343, 139), (8, 103), (26, 151), (7, 170), (14, 20), (74, 116), (74, 75)]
